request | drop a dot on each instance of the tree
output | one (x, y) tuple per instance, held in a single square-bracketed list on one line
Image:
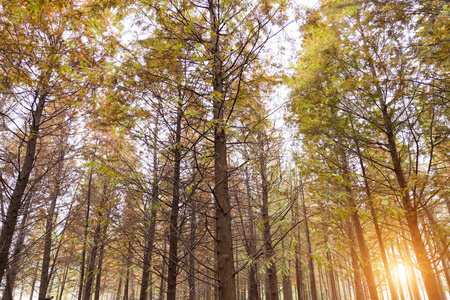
[(356, 82)]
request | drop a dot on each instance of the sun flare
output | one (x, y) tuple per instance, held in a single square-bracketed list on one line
[(400, 271)]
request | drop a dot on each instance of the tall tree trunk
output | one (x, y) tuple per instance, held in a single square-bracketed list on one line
[(387, 270), (148, 249), (366, 264), (250, 242), (10, 221), (85, 237), (299, 278), (440, 235), (45, 276), (13, 269), (359, 293), (431, 286), (150, 225), (322, 284), (119, 289), (192, 242), (426, 269), (90, 271), (97, 235), (312, 275), (298, 248), (173, 231), (126, 290), (63, 283), (150, 292), (287, 285), (163, 270), (334, 294), (98, 279), (272, 282), (33, 283), (225, 260)]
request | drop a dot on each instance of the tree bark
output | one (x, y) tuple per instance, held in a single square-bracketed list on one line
[(10, 221), (224, 241), (192, 238), (63, 284), (298, 248), (287, 286), (33, 283), (272, 282), (334, 294), (431, 286), (173, 231), (366, 264), (86, 231), (13, 270), (312, 275), (46, 257), (127, 279), (387, 270), (359, 293), (98, 280), (90, 271), (250, 243), (97, 236), (150, 225)]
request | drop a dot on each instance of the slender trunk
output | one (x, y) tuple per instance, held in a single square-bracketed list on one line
[(132, 284), (322, 285), (424, 263), (90, 271), (45, 276), (33, 283), (287, 286), (98, 279), (373, 213), (97, 235), (192, 269), (250, 243), (148, 250), (173, 231), (355, 266), (85, 237), (119, 289), (150, 225), (225, 260), (334, 294), (299, 278), (440, 235), (163, 271), (10, 221), (298, 262), (272, 282), (127, 282), (63, 283), (17, 256), (150, 292), (365, 255), (312, 275)]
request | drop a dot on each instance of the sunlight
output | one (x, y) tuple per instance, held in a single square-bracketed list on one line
[(401, 273)]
